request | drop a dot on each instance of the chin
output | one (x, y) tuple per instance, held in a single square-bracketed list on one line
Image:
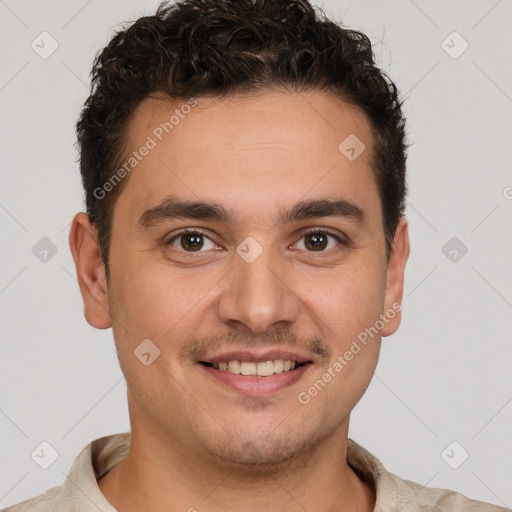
[(257, 455)]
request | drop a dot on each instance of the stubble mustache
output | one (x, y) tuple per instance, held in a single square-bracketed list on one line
[(196, 348)]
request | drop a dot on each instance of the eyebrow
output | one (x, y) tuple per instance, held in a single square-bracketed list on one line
[(173, 208)]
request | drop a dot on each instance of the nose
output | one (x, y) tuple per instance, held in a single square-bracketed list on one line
[(257, 294)]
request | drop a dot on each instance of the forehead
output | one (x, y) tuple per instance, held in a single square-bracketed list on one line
[(250, 152), (313, 120)]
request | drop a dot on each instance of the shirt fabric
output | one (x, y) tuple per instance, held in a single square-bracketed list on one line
[(80, 491)]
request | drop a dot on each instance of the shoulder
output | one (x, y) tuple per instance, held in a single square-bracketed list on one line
[(395, 493), (80, 490), (51, 500), (416, 497)]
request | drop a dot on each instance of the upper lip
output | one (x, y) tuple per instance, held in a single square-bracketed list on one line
[(256, 356)]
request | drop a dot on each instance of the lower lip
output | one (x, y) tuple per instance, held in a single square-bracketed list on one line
[(257, 386)]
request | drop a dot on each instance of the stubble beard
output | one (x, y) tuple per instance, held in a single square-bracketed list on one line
[(266, 456)]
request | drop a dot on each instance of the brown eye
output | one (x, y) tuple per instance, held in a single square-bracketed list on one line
[(192, 242), (316, 241), (319, 241)]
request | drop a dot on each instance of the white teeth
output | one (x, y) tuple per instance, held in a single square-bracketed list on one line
[(247, 368), (234, 366), (278, 366), (263, 369)]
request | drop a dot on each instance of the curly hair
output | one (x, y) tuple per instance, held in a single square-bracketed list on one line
[(194, 48)]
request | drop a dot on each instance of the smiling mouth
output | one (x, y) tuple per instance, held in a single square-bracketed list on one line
[(256, 369)]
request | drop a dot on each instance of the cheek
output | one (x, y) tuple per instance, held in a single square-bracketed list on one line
[(346, 303), (348, 311), (153, 298)]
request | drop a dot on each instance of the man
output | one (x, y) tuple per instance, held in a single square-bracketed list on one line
[(244, 170)]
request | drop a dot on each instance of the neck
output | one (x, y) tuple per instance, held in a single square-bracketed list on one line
[(163, 476)]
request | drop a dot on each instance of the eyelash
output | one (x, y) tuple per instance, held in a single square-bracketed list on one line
[(312, 231)]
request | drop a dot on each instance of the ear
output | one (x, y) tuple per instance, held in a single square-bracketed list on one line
[(395, 277), (90, 271)]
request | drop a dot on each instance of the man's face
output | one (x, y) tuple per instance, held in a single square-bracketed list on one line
[(256, 286)]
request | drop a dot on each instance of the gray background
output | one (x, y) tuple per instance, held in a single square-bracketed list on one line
[(445, 376)]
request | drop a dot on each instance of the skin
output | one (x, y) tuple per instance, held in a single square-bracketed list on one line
[(196, 442)]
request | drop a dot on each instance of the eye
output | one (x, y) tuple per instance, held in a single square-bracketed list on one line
[(318, 240), (191, 241)]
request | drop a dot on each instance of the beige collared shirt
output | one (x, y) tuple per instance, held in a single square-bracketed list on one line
[(80, 491)]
